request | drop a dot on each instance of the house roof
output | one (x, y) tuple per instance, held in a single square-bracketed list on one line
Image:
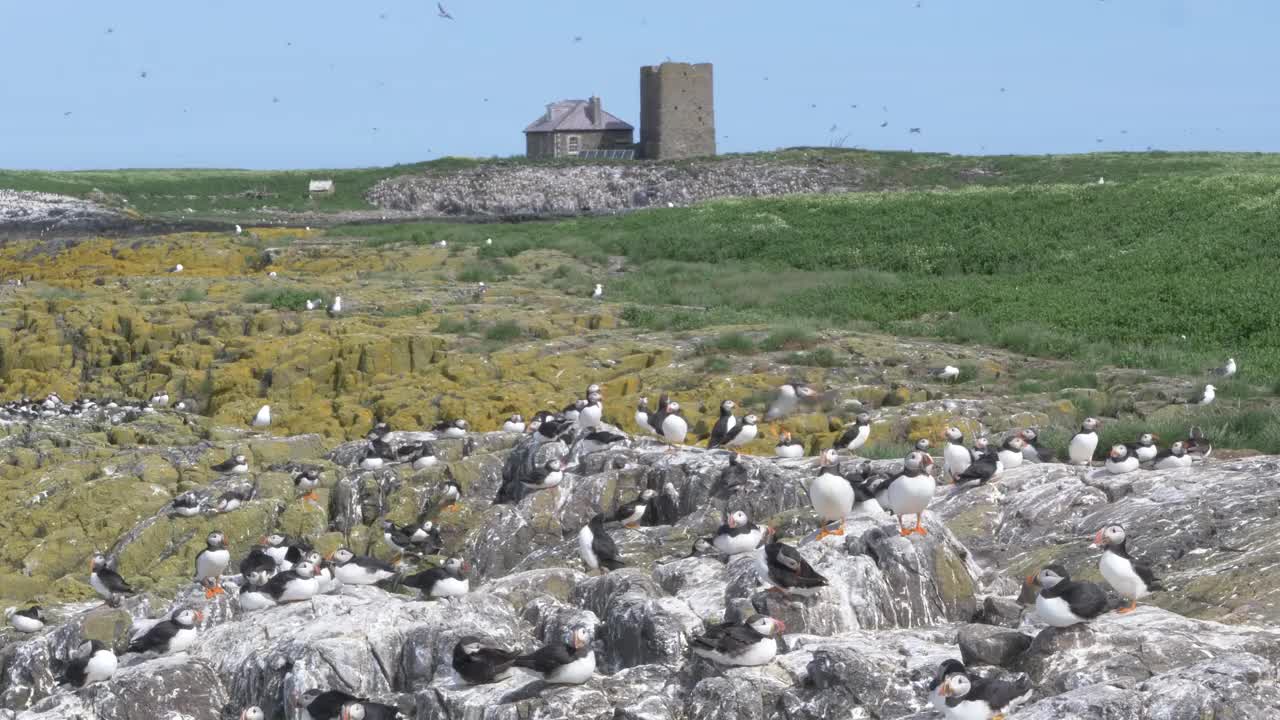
[(572, 115)]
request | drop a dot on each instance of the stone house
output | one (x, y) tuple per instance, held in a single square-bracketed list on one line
[(570, 126)]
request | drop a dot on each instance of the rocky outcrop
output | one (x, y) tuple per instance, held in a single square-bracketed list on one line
[(32, 213)]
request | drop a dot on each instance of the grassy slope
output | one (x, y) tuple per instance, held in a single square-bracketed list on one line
[(1112, 274)]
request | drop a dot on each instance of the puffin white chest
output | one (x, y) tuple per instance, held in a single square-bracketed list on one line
[(957, 458), (255, 600), (181, 640), (1173, 462), (831, 496), (911, 495), (864, 432), (450, 587), (100, 667), (674, 428), (758, 653), (99, 587), (588, 555), (353, 574), (590, 415), (1082, 447), (744, 436), (24, 624), (1146, 453), (1119, 573), (789, 451), (211, 563), (868, 508), (1010, 458), (576, 672), (735, 544), (969, 710), (1127, 465), (1056, 611), (300, 589)]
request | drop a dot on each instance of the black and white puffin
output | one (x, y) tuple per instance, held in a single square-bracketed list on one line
[(514, 424), (1010, 452), (479, 663), (187, 504), (550, 475), (956, 458), (570, 661), (1171, 458), (1144, 448), (294, 585), (674, 426), (451, 493), (317, 704), (369, 710), (352, 569), (93, 662), (592, 412), (306, 482), (1132, 579), (657, 416), (253, 712), (211, 561), (448, 580), (630, 512), (552, 429), (105, 581), (642, 415), (984, 468), (975, 698), (452, 428), (233, 499), (596, 547), (788, 447), (600, 439), (1119, 461), (425, 538), (1084, 443), (1031, 450), (747, 643), (724, 425), (949, 666), (737, 535), (910, 492), (1063, 602), (787, 570), (257, 560), (253, 593), (397, 538), (742, 433), (29, 620), (571, 411), (787, 398), (664, 508), (233, 464), (174, 634), (855, 435)]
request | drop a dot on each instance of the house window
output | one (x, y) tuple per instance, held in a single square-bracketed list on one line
[(572, 145)]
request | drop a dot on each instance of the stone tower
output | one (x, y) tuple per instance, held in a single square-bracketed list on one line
[(677, 115)]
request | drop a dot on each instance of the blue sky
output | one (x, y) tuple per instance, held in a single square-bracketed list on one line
[(284, 83)]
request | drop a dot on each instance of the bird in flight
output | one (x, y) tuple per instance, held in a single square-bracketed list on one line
[(442, 12), (577, 38), (66, 114), (110, 30), (914, 131), (143, 74), (884, 124), (275, 99), (833, 127)]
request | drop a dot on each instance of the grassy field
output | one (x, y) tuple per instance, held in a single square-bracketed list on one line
[(1172, 274)]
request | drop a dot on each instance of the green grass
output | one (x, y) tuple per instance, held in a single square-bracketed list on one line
[(504, 331), (788, 338), (1224, 425), (192, 295), (487, 271), (731, 343), (822, 357), (285, 298), (456, 326)]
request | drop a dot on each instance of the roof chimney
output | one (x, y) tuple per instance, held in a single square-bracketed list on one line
[(595, 113)]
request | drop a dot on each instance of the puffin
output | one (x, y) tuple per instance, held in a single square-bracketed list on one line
[(788, 396), (552, 428), (1145, 448), (211, 561), (599, 439), (424, 538), (955, 456), (294, 585), (276, 547), (949, 666), (263, 417), (93, 662), (233, 464), (865, 503), (1171, 458), (548, 476), (335, 307), (974, 698), (701, 546), (479, 663), (737, 535), (573, 410), (30, 620), (448, 580), (161, 398), (105, 581), (1119, 461), (397, 538), (724, 424), (788, 447), (855, 435), (175, 634), (674, 427), (748, 643), (642, 416), (787, 570), (452, 492), (353, 569), (984, 468), (319, 704), (568, 662), (830, 494), (371, 459), (1063, 602), (514, 424), (187, 505), (326, 580), (253, 594), (1031, 450), (1084, 443), (424, 456), (663, 509), (305, 483), (596, 548), (233, 499), (452, 428), (1010, 453), (591, 413), (1132, 579), (742, 433), (253, 712), (910, 492), (656, 417), (629, 513), (369, 710)]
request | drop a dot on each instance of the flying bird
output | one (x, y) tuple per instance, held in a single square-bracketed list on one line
[(577, 38), (442, 12), (914, 131), (143, 74), (884, 124)]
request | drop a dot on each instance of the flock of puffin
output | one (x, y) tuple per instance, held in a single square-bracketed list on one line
[(281, 570)]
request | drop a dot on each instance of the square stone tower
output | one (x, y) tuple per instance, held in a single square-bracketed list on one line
[(677, 114)]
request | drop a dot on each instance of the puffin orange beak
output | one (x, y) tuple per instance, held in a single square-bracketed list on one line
[(1097, 539), (944, 691), (1031, 580)]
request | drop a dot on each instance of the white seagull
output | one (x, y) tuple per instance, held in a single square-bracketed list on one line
[(263, 418), (598, 292)]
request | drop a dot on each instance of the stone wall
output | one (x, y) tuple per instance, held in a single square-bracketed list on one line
[(677, 113), (547, 145)]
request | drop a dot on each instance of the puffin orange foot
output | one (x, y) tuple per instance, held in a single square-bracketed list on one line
[(904, 532), (1132, 606), (312, 496), (920, 530), (451, 508)]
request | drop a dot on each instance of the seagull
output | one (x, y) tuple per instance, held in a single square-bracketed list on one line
[(1226, 370), (947, 372), (1207, 396), (1102, 181), (176, 268), (336, 307), (239, 229), (442, 12), (263, 418), (598, 293), (488, 241), (272, 275)]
